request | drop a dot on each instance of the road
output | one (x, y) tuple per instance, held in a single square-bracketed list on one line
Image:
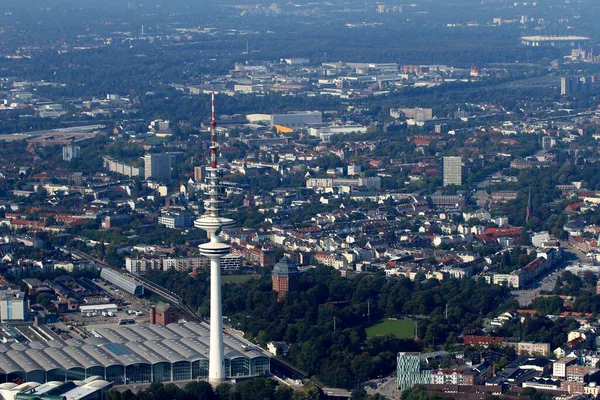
[(388, 389), (525, 297), (548, 283)]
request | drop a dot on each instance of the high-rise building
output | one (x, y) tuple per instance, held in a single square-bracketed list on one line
[(157, 166), (409, 372), (548, 142), (212, 223), (70, 152), (572, 85), (13, 306), (452, 171), (566, 86), (199, 173), (285, 277)]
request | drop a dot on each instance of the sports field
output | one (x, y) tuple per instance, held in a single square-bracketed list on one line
[(401, 328)]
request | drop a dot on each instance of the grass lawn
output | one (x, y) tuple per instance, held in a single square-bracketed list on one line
[(401, 328), (156, 298), (236, 278)]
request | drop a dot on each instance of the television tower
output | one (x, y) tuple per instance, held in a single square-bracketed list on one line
[(212, 223)]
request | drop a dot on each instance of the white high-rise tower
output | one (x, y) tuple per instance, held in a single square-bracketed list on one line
[(212, 223)]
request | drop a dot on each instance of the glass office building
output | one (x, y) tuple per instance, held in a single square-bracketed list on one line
[(409, 372)]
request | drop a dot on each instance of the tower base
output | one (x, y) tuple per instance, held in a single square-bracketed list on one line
[(216, 382)]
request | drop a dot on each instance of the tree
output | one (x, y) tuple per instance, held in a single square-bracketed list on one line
[(113, 394), (419, 393), (224, 390), (260, 388), (284, 393), (128, 395), (201, 390), (309, 392), (359, 394)]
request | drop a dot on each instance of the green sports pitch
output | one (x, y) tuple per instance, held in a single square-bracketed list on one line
[(401, 328)]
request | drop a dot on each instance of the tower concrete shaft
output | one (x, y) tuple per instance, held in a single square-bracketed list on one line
[(216, 366)]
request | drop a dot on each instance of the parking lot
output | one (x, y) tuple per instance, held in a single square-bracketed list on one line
[(133, 308)]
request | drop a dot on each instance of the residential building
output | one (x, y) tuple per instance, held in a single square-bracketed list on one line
[(231, 262), (452, 171), (184, 263), (529, 348), (581, 373), (175, 220), (322, 183), (70, 152), (451, 377), (140, 266), (121, 168), (157, 166), (420, 114), (113, 221), (258, 256)]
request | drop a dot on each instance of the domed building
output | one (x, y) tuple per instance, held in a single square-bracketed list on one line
[(285, 277)]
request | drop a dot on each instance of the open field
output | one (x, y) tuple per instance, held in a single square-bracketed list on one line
[(236, 278), (401, 328)]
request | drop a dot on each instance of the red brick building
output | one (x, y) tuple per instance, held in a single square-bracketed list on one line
[(163, 314), (285, 277)]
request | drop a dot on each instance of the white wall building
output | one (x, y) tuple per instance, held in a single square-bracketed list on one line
[(13, 306)]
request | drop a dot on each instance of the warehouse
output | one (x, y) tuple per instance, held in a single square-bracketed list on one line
[(98, 308), (130, 354), (122, 281)]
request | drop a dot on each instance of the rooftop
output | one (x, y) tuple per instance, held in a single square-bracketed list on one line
[(122, 345)]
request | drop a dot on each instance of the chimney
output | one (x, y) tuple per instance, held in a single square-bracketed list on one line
[(153, 315)]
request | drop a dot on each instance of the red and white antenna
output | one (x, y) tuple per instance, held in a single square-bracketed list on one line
[(213, 134)]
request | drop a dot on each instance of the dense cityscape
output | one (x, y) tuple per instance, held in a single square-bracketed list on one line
[(225, 200)]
